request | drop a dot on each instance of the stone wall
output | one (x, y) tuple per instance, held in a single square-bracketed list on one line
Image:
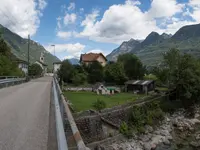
[(95, 126), (78, 89), (100, 126), (91, 128)]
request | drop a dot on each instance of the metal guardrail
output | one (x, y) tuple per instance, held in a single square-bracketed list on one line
[(8, 81), (64, 109), (61, 139)]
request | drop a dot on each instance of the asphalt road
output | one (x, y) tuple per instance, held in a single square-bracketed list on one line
[(24, 115)]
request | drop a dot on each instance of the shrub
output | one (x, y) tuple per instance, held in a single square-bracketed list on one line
[(125, 130), (149, 113), (141, 130), (99, 105)]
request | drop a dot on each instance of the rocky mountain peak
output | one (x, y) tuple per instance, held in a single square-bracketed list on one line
[(186, 32)]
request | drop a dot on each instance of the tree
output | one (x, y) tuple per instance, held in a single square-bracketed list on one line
[(7, 66), (184, 76), (79, 78), (35, 70), (133, 67), (95, 72), (162, 75), (4, 49), (66, 71), (114, 73), (150, 77)]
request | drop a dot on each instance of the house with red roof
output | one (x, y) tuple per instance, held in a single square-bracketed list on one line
[(92, 57)]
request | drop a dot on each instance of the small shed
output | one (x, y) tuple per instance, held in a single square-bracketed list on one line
[(100, 88), (139, 86)]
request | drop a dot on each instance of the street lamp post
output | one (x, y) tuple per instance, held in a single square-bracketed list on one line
[(54, 55), (54, 49)]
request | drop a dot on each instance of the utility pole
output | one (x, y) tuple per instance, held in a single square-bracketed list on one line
[(28, 53)]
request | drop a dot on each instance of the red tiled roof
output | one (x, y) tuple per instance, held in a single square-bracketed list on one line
[(91, 57)]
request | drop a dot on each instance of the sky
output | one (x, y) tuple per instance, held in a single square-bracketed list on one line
[(82, 26)]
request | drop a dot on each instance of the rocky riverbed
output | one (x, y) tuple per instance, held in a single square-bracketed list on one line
[(176, 132)]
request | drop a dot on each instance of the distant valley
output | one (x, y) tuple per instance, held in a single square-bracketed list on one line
[(151, 49)]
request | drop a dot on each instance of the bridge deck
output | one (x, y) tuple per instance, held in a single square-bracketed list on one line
[(24, 115)]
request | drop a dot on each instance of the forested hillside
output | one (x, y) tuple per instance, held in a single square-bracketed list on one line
[(8, 67), (19, 47)]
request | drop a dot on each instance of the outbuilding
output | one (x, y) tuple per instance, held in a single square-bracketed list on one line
[(139, 86), (23, 65)]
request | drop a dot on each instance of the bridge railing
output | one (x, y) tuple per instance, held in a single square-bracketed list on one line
[(63, 112), (6, 81)]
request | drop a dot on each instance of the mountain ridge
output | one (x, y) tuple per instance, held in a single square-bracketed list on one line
[(19, 48), (150, 50)]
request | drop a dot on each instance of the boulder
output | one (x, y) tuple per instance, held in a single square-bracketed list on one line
[(164, 132), (166, 142), (195, 144), (147, 146), (197, 137)]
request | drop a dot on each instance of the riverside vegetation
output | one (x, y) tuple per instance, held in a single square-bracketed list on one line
[(179, 73)]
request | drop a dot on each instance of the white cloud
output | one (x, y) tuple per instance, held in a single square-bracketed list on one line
[(89, 24), (69, 18), (71, 49), (68, 57), (161, 8), (105, 53), (81, 10), (63, 34), (21, 16), (59, 26), (120, 22), (195, 4), (71, 6), (187, 12), (42, 4), (133, 2), (176, 25)]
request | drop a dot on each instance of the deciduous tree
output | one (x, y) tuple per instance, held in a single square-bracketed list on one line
[(35, 70), (114, 73), (133, 67)]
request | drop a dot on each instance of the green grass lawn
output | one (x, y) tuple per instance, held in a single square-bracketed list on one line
[(84, 100)]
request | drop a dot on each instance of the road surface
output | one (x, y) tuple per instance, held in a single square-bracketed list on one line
[(24, 115)]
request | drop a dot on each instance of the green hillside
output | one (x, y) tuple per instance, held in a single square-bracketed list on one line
[(150, 51), (19, 48), (152, 55)]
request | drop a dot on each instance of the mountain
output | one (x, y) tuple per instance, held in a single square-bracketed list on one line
[(134, 46), (187, 32), (19, 48), (74, 61), (166, 36), (125, 47), (151, 50)]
